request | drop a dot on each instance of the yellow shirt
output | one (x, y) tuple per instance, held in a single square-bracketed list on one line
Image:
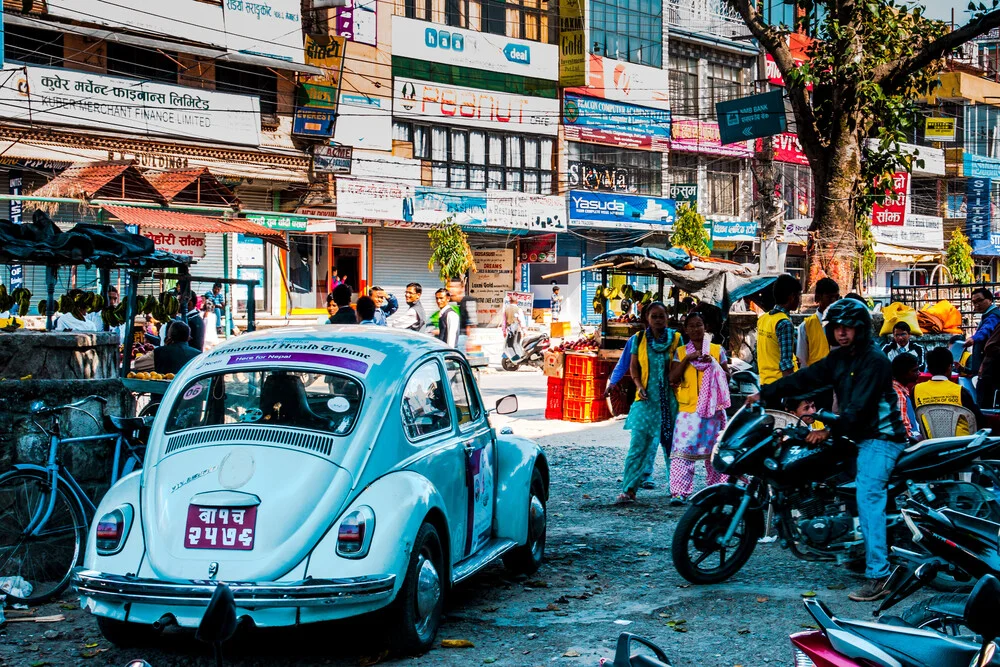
[(768, 348), (818, 345), (687, 391), (939, 390)]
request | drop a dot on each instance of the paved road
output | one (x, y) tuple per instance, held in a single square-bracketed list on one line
[(608, 571)]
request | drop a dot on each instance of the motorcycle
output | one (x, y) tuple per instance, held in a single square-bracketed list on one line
[(848, 643), (810, 489), (534, 348)]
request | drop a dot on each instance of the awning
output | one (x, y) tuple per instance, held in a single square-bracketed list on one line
[(904, 254), (158, 218), (101, 180), (218, 54), (985, 249)]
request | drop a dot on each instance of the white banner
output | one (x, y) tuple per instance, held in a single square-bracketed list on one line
[(81, 99), (432, 42), (364, 122), (272, 28), (490, 282), (482, 109), (517, 210), (371, 199), (191, 244), (627, 82), (919, 231)]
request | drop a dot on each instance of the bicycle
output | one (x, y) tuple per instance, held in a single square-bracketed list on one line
[(44, 512)]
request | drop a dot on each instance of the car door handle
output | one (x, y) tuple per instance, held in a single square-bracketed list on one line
[(468, 444)]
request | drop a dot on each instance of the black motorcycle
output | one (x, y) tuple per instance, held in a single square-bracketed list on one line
[(810, 489), (533, 351)]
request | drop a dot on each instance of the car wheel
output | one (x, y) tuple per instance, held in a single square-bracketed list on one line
[(127, 635), (416, 612), (526, 559)]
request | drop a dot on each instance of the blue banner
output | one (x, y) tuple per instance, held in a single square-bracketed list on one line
[(434, 205), (977, 209), (615, 211), (734, 230), (615, 123), (309, 122), (15, 206)]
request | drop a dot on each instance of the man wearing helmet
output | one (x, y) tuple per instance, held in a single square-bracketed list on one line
[(861, 377)]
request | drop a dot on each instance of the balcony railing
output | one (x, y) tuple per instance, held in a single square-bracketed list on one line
[(714, 17)]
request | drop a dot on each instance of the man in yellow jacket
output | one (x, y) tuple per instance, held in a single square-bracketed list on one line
[(812, 343), (776, 333), (940, 390)]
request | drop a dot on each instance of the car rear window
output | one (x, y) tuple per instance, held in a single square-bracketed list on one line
[(317, 401)]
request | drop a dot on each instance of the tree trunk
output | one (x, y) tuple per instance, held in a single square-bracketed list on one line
[(833, 244)]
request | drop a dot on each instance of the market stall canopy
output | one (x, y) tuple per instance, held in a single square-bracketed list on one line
[(114, 180), (192, 186), (41, 242), (160, 218), (985, 249), (906, 254), (713, 282)]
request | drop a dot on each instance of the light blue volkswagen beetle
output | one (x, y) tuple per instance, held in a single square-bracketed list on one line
[(321, 473)]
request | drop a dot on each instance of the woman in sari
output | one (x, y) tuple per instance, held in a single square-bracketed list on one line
[(700, 372), (651, 417)]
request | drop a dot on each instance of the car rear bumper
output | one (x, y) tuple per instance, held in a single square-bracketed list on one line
[(115, 588)]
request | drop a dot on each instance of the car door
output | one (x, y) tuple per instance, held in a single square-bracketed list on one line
[(480, 453)]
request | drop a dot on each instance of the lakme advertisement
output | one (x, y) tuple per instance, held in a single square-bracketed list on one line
[(82, 99)]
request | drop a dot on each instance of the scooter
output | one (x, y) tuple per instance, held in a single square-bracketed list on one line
[(846, 643), (534, 348)]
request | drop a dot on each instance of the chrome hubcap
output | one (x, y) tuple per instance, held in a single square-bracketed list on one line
[(428, 592), (536, 523)]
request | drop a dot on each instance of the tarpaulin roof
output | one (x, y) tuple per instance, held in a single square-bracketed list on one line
[(718, 283), (160, 218), (985, 249), (101, 180), (41, 242)]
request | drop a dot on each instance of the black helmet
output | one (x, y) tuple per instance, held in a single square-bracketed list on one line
[(849, 312)]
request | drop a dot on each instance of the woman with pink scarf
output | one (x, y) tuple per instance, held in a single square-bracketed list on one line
[(700, 373)]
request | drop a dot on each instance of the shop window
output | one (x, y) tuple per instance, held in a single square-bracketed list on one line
[(145, 64), (249, 80), (494, 17), (535, 20), (608, 169), (309, 270), (33, 46), (418, 9), (796, 187), (684, 85), (924, 196), (723, 187), (629, 30), (724, 83), (453, 14), (683, 168)]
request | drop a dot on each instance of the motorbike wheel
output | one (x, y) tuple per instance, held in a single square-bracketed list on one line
[(696, 553), (508, 365), (924, 616)]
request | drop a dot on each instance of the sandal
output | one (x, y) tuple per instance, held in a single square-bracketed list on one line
[(625, 499)]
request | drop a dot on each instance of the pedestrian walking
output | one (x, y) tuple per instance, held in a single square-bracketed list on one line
[(621, 389), (448, 322), (700, 371), (513, 326), (812, 344), (989, 372), (982, 302), (466, 311), (208, 322), (385, 305), (776, 334), (413, 316), (651, 417), (557, 302)]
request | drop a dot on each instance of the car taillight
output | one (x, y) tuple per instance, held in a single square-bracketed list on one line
[(801, 659), (112, 529), (354, 536)]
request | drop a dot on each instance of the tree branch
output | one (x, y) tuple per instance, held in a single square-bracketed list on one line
[(891, 77)]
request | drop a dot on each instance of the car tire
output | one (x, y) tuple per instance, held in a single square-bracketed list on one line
[(415, 614), (127, 635), (526, 559)]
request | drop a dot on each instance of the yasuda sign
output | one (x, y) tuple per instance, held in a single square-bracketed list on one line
[(751, 117)]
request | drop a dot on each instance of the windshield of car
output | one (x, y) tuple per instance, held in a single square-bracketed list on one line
[(317, 401)]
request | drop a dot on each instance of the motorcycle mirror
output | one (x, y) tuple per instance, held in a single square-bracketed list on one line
[(138, 663), (624, 659), (985, 655), (219, 622), (982, 610)]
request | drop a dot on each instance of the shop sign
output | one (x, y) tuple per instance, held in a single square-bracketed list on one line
[(152, 160), (15, 211), (572, 44), (618, 211), (490, 282), (481, 109), (357, 21), (369, 164), (698, 136), (520, 210), (332, 159), (537, 249), (310, 122), (312, 95), (622, 81), (249, 250), (372, 199), (774, 74), (432, 42), (272, 28), (523, 300), (377, 200), (749, 117), (977, 209), (926, 161), (920, 231), (327, 52), (593, 176), (893, 210), (980, 166), (280, 221), (686, 193), (797, 231), (81, 99), (939, 129), (734, 230), (191, 244), (615, 123), (436, 205), (787, 148), (364, 122)]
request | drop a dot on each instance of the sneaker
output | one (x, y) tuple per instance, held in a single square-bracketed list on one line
[(874, 589), (648, 485)]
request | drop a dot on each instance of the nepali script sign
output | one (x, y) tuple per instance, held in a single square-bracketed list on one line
[(893, 210), (81, 99), (191, 244)]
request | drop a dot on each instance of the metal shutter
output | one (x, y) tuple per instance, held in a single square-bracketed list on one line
[(399, 256)]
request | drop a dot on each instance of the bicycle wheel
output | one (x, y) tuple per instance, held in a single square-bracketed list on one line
[(44, 560)]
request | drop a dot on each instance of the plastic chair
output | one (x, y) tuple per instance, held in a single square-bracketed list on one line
[(941, 421)]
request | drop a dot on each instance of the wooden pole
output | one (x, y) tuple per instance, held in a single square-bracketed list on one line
[(581, 269)]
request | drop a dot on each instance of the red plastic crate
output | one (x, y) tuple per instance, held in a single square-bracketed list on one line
[(585, 411), (584, 388), (554, 399), (586, 366)]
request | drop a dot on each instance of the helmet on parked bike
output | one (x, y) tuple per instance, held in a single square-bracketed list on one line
[(849, 312)]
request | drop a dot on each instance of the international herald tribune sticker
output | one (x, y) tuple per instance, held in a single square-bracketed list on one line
[(296, 352)]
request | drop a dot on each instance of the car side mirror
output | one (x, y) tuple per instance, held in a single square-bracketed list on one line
[(219, 622), (507, 405)]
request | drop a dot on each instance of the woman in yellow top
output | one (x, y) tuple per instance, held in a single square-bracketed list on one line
[(700, 371), (651, 417)]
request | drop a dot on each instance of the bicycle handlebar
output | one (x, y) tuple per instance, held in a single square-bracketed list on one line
[(93, 397)]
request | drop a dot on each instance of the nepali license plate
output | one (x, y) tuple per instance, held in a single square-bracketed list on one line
[(220, 528)]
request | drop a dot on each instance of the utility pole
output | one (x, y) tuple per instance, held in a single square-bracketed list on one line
[(769, 203)]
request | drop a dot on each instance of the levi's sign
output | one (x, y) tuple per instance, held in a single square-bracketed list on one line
[(751, 117)]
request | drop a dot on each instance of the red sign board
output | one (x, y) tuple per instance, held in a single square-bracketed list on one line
[(893, 210), (774, 75), (786, 149)]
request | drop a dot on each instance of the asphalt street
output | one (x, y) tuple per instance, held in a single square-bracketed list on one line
[(608, 570)]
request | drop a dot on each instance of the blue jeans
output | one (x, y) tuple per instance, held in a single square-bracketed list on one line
[(218, 318), (876, 459)]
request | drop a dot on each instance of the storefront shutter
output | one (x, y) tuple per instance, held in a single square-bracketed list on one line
[(399, 257)]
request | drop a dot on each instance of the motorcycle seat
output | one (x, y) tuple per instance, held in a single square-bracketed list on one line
[(986, 529), (913, 646), (928, 449)]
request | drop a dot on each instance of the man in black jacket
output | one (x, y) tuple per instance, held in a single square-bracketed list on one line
[(172, 356), (861, 378), (342, 297)]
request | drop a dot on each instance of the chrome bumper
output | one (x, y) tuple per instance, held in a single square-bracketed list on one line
[(308, 593)]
